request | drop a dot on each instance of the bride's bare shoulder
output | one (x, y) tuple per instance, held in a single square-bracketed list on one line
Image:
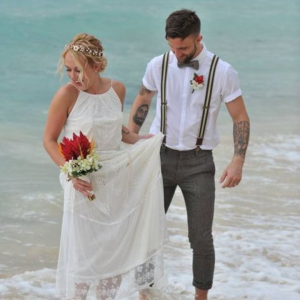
[(120, 89)]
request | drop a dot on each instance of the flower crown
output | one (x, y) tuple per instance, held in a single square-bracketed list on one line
[(79, 48)]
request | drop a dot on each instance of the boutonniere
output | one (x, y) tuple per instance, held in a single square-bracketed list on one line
[(197, 82)]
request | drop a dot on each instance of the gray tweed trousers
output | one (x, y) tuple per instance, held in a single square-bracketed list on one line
[(194, 173)]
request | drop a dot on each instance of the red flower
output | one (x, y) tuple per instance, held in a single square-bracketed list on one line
[(197, 82), (78, 146), (199, 79)]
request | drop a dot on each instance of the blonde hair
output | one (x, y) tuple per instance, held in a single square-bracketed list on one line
[(87, 47)]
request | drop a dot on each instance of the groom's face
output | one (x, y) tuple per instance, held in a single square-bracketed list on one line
[(185, 49)]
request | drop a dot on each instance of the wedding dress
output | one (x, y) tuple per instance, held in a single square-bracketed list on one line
[(111, 246)]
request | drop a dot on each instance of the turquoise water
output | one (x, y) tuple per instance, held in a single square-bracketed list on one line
[(260, 38)]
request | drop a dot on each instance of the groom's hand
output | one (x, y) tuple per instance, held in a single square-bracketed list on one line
[(232, 175)]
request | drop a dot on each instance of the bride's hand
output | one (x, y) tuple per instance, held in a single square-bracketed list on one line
[(82, 186)]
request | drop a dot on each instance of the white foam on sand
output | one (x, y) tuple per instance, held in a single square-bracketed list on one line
[(252, 263), (29, 285)]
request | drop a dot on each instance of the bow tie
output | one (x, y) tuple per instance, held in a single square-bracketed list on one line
[(192, 64)]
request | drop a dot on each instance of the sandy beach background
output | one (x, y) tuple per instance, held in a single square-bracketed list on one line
[(256, 226)]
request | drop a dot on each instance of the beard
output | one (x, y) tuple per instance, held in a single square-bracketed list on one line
[(190, 56)]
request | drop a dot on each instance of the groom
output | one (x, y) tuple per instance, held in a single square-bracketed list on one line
[(189, 124)]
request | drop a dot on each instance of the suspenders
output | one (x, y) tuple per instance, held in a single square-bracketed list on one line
[(209, 88), (164, 71)]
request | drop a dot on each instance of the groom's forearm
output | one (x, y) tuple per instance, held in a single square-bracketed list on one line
[(140, 108)]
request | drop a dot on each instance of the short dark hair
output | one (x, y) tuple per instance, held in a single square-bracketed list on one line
[(182, 23)]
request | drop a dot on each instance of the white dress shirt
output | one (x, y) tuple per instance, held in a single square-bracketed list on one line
[(184, 108)]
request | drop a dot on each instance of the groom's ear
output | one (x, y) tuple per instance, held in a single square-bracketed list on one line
[(199, 38)]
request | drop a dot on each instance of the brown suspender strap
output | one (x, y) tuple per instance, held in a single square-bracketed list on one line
[(209, 88), (163, 117)]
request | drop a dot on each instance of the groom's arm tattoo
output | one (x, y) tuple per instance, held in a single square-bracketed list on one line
[(142, 111), (141, 114), (241, 133)]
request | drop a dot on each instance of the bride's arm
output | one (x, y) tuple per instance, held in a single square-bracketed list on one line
[(60, 107), (131, 137)]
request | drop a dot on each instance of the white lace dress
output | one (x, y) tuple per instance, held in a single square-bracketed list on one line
[(112, 246)]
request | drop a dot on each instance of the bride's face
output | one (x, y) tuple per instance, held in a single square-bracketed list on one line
[(80, 73)]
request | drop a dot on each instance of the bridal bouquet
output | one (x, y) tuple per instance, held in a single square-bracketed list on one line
[(80, 156)]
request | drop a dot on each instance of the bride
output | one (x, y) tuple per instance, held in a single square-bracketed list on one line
[(112, 246)]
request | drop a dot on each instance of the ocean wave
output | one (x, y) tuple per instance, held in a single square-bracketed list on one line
[(280, 150)]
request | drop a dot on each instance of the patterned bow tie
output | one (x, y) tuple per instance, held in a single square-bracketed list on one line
[(192, 64)]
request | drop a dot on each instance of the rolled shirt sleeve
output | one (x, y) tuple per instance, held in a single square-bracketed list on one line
[(150, 77), (230, 88)]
